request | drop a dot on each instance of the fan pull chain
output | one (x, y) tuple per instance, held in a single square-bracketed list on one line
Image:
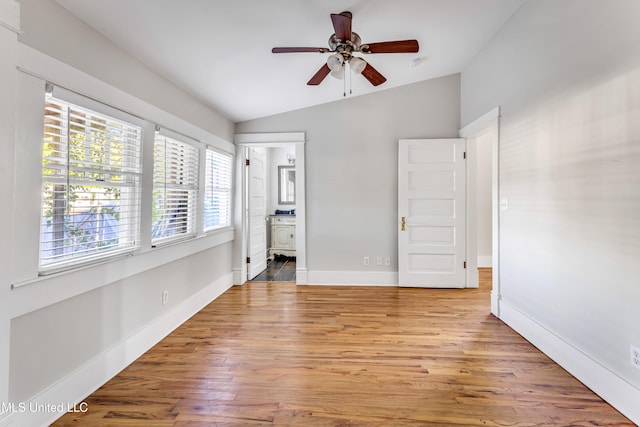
[(344, 86)]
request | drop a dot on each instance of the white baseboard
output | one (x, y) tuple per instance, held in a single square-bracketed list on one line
[(485, 261), (495, 303), (302, 277), (72, 389), (609, 386), (240, 276), (353, 278)]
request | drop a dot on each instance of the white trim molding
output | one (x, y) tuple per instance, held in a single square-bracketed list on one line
[(479, 124), (302, 276), (353, 278), (265, 138), (484, 261), (239, 276), (69, 392), (621, 394), (489, 122)]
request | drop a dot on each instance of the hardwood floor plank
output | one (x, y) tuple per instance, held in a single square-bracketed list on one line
[(275, 353)]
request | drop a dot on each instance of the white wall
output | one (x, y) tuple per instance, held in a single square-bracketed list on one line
[(351, 171), (65, 334), (567, 77)]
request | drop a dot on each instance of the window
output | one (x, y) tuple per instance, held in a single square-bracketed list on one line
[(217, 190), (91, 169), (175, 189)]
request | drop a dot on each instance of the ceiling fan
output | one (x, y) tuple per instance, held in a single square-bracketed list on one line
[(344, 43)]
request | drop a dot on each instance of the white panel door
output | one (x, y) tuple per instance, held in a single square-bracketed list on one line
[(257, 178), (432, 213)]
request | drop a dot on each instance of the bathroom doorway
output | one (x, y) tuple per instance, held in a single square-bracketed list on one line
[(284, 221)]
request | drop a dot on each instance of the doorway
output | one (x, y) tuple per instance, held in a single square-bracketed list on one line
[(271, 213), (283, 213), (484, 132)]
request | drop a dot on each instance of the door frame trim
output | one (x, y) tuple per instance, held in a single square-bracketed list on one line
[(488, 122), (268, 140)]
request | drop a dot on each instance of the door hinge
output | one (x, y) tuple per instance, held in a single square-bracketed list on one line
[(464, 155), (248, 260), (247, 162), (465, 264)]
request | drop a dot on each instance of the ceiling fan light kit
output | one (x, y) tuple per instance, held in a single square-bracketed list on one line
[(338, 73), (343, 44), (335, 62)]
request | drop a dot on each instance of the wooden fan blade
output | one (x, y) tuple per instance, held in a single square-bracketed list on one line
[(374, 77), (319, 76), (400, 46), (299, 49), (342, 25)]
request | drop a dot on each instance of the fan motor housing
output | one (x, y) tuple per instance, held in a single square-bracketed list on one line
[(338, 45)]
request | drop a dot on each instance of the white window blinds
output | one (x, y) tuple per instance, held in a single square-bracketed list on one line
[(175, 189), (91, 168), (217, 191)]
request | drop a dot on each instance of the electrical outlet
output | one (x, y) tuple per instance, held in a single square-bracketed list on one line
[(635, 356), (165, 297), (387, 261), (366, 260), (379, 260)]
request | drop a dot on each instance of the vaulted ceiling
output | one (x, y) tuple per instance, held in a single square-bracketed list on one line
[(220, 51)]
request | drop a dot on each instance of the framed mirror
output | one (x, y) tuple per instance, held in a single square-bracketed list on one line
[(286, 185)]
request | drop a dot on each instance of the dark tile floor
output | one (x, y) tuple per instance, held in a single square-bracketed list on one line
[(281, 269)]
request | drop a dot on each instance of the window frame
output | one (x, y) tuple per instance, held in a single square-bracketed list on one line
[(227, 189), (179, 182), (80, 172), (30, 270)]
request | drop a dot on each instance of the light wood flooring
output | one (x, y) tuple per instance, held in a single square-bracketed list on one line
[(276, 353)]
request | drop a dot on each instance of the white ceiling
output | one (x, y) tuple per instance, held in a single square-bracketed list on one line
[(220, 50)]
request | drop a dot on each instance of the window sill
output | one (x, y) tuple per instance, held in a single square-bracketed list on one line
[(86, 263), (46, 290)]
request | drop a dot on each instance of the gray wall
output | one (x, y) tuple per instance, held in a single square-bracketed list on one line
[(49, 28), (9, 25), (351, 167), (60, 324), (50, 343), (567, 77)]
